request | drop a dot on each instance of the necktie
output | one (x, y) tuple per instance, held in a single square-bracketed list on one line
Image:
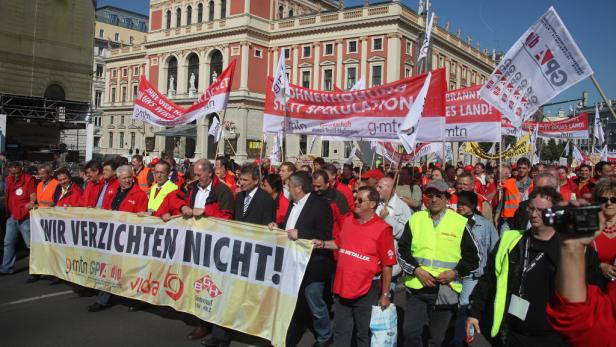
[(246, 203)]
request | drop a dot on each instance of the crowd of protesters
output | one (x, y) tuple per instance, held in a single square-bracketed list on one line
[(467, 243)]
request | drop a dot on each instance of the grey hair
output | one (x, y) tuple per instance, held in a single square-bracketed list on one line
[(124, 169), (548, 175), (205, 165)]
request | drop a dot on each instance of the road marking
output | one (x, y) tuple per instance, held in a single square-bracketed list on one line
[(34, 298)]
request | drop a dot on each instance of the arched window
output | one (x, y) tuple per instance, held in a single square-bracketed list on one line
[(193, 68), (280, 12), (210, 15), (54, 92), (215, 65), (189, 15), (223, 9), (290, 13), (172, 71), (168, 26), (178, 18), (199, 13)]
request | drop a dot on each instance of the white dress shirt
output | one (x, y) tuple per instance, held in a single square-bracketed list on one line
[(202, 195), (295, 212)]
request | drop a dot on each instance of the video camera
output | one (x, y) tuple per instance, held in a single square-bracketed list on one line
[(582, 220)]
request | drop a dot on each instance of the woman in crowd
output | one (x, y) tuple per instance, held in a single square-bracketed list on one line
[(272, 184), (605, 243)]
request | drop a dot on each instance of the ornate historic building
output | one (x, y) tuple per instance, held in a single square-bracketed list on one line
[(326, 46)]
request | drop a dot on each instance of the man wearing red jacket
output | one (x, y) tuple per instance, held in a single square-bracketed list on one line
[(94, 171), (20, 195), (335, 184), (128, 198), (67, 193), (111, 186)]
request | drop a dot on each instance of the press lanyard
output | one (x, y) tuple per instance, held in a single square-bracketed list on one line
[(528, 265)]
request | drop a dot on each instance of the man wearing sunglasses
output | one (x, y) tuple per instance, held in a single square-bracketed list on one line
[(436, 249)]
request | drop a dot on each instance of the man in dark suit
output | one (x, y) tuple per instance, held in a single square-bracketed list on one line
[(310, 217), (253, 204)]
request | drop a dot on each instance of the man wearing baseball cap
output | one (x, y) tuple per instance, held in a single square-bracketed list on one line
[(436, 249), (372, 177)]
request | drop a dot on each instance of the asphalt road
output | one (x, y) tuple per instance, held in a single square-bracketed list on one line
[(41, 314)]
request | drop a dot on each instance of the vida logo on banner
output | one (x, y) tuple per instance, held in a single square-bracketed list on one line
[(544, 62)]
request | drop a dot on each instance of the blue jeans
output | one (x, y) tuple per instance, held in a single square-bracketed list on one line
[(468, 284), (103, 298), (13, 228), (314, 293)]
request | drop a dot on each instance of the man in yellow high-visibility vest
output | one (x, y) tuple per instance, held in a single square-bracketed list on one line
[(436, 249), (160, 189)]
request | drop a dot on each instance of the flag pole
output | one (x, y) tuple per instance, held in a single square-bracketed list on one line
[(600, 90), (261, 157), (222, 124)]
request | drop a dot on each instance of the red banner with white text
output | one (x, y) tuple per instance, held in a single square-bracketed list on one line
[(571, 128), (469, 117), (375, 113)]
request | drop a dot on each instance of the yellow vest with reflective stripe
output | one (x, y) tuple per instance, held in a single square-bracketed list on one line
[(508, 241), (154, 202), (436, 250)]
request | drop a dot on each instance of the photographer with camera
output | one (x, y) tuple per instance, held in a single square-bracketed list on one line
[(582, 313), (510, 298)]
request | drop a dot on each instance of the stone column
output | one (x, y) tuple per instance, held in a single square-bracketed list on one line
[(316, 51), (246, 6), (363, 65), (203, 80), (295, 60), (244, 64), (216, 9), (241, 140), (182, 79), (339, 70), (393, 57)]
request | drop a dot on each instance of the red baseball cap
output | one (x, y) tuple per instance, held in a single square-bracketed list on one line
[(155, 161), (374, 173), (468, 168)]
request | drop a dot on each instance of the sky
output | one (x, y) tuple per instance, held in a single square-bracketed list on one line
[(498, 24)]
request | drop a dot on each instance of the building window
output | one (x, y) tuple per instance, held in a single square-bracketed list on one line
[(178, 18), (280, 12), (215, 65), (101, 33), (290, 13), (132, 140), (352, 46), (113, 96), (303, 144), (306, 79), (351, 77), (328, 77), (329, 49), (124, 72), (193, 69), (258, 53), (377, 44), (111, 120), (172, 70), (123, 95), (121, 120), (189, 15), (408, 72), (135, 91), (211, 11), (348, 147), (377, 75), (122, 140), (168, 21), (116, 37), (99, 70), (253, 148), (149, 143), (223, 9), (306, 51), (113, 73), (409, 46), (131, 40), (110, 139), (199, 13), (325, 149), (98, 95), (287, 53), (136, 71)]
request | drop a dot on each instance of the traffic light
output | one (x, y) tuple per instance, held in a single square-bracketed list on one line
[(584, 99)]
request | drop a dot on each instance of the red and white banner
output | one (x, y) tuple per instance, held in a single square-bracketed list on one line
[(153, 107), (389, 151), (470, 118), (570, 128), (543, 62), (371, 113)]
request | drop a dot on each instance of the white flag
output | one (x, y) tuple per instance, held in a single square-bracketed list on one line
[(276, 148), (448, 152), (359, 85), (423, 52), (280, 87), (599, 134), (566, 150), (408, 130), (352, 155), (577, 155), (604, 153), (543, 62), (215, 129), (492, 150), (314, 139)]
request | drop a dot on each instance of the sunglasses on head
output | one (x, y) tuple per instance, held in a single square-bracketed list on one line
[(604, 200)]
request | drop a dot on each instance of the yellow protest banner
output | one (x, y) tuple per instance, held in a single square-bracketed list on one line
[(237, 275), (521, 147)]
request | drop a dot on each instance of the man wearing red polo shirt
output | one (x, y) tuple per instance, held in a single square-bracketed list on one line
[(365, 252), (20, 199)]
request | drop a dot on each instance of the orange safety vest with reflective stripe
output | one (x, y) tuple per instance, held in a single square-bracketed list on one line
[(142, 179), (513, 197), (44, 193)]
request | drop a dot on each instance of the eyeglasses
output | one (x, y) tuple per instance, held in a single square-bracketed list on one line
[(533, 209), (360, 200), (604, 200)]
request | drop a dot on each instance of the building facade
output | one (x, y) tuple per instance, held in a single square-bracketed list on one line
[(325, 45)]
